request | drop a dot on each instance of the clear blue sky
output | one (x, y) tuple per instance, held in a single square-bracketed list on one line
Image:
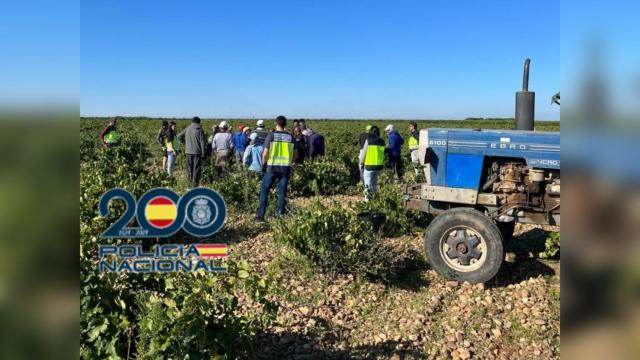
[(39, 52), (335, 59)]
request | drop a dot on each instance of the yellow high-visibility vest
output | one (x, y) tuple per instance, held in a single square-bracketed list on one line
[(413, 143), (112, 137), (374, 155), (280, 150)]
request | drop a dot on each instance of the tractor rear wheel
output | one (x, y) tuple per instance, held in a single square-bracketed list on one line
[(464, 245)]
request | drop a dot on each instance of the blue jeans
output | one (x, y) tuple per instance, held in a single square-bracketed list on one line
[(239, 154), (171, 158), (371, 181), (267, 180)]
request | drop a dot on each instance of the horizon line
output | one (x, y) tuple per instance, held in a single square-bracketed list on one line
[(309, 118)]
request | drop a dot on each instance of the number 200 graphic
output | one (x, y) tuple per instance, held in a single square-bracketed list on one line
[(160, 212)]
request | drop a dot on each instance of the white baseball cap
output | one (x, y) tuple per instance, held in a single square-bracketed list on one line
[(388, 128), (224, 124), (260, 123)]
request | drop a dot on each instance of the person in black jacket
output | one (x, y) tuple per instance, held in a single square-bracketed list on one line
[(299, 145)]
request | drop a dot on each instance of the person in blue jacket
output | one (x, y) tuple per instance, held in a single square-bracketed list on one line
[(394, 151), (252, 157), (239, 140)]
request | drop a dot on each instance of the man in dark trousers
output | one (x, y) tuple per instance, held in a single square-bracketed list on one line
[(277, 157), (195, 146), (394, 151)]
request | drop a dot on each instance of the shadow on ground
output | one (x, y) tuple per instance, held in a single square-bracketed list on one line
[(289, 345), (409, 272), (524, 263)]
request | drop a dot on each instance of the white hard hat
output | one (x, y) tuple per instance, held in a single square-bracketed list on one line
[(224, 124), (388, 128), (260, 123)]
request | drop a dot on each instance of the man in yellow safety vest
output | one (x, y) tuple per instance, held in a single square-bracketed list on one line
[(363, 139), (277, 157), (413, 145), (372, 159), (109, 136)]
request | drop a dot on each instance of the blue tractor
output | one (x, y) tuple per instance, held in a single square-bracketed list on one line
[(480, 183)]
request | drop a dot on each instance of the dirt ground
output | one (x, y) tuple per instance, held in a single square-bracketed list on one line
[(516, 315)]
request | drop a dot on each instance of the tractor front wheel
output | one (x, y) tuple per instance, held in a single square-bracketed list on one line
[(464, 245)]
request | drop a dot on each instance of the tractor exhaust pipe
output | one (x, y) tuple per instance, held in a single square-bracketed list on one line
[(525, 102), (525, 75)]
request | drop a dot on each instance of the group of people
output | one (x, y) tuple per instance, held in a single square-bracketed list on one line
[(271, 154), (373, 150), (223, 145)]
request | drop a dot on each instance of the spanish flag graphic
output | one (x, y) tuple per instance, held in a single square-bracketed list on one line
[(161, 212), (213, 250)]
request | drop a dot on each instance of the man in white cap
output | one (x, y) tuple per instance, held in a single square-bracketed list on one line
[(261, 132), (222, 146), (394, 151)]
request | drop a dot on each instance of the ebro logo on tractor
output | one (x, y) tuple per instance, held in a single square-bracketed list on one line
[(161, 212)]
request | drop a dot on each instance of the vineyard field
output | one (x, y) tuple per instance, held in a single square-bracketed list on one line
[(317, 284)]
